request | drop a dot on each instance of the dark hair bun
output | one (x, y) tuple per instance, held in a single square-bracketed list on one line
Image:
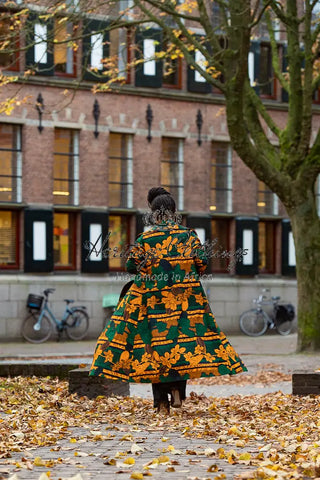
[(160, 199), (156, 192)]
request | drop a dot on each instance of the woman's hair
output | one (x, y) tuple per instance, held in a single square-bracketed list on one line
[(160, 200)]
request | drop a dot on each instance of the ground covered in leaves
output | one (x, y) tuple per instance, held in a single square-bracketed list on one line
[(278, 435)]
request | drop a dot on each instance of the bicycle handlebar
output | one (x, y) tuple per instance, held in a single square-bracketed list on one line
[(48, 291)]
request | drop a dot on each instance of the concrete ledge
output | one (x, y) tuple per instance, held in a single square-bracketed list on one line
[(36, 369), (91, 387), (305, 382)]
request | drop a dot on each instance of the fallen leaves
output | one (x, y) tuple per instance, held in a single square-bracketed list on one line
[(274, 436)]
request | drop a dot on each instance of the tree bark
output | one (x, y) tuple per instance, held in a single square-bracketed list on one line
[(305, 225)]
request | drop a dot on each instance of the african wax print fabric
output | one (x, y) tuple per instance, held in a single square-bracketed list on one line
[(163, 329)]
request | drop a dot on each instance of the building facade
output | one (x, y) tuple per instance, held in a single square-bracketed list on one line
[(75, 168)]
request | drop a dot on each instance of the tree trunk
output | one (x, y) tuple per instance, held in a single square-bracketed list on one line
[(306, 230)]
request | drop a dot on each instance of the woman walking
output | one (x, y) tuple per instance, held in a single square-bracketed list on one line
[(163, 330)]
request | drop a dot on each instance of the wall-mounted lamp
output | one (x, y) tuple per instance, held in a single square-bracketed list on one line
[(149, 118), (96, 115), (199, 122), (40, 109)]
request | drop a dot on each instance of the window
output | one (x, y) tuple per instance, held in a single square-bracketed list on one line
[(171, 68), (172, 168), (267, 201), (64, 241), (221, 177), (66, 167), (9, 245), (148, 73), (119, 229), (120, 170), (9, 43), (266, 79), (266, 247), (63, 55), (220, 234), (96, 40), (120, 53), (10, 163)]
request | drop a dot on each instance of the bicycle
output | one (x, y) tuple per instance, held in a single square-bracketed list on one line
[(256, 321), (38, 326)]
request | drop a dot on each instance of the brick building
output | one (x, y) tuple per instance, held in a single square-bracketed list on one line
[(68, 175)]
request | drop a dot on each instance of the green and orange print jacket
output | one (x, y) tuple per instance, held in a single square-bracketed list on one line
[(163, 329)]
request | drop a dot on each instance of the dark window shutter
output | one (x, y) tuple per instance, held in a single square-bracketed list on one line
[(255, 49), (284, 93), (193, 85), (141, 79), (139, 223), (90, 27), (38, 247), (288, 253), (202, 223), (45, 67), (247, 238), (94, 250)]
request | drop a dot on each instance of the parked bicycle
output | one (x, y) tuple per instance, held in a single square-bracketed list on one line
[(256, 321), (38, 326)]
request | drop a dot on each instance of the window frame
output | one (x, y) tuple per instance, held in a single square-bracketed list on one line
[(227, 220), (15, 67), (75, 168), (129, 171), (266, 271), (273, 196), (180, 164), (16, 265), (128, 216), (74, 59), (229, 190), (18, 151), (71, 267)]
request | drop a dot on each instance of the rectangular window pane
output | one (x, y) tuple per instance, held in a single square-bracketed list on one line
[(63, 240), (96, 51), (10, 163), (149, 50), (265, 70), (171, 170), (221, 178), (200, 60), (9, 238), (265, 201), (63, 55), (120, 170), (118, 240), (266, 247), (8, 40), (65, 167), (220, 233), (40, 48)]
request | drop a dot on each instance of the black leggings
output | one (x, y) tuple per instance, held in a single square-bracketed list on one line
[(161, 390)]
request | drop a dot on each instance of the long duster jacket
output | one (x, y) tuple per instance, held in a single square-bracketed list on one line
[(163, 329)]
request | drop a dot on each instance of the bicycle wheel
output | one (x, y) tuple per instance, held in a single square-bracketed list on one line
[(283, 326), (36, 336), (253, 322), (77, 324)]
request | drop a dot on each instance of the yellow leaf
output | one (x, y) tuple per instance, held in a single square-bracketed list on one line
[(245, 456), (73, 440), (137, 475), (163, 459), (129, 461), (38, 462), (213, 468)]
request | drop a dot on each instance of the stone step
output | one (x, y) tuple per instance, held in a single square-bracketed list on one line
[(305, 382), (91, 387)]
